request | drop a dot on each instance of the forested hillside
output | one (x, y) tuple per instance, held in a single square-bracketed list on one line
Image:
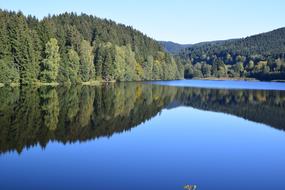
[(172, 47), (261, 56), (70, 48)]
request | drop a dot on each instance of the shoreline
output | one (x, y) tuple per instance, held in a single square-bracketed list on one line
[(97, 83), (235, 79), (55, 84), (91, 83), (228, 79)]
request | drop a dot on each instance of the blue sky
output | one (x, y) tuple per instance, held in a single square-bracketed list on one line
[(183, 21)]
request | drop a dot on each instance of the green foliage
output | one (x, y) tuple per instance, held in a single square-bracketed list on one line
[(40, 50), (73, 66), (108, 66), (21, 47), (8, 73), (8, 70), (70, 114), (148, 68), (206, 70), (260, 56), (50, 107), (120, 63), (87, 69), (50, 64)]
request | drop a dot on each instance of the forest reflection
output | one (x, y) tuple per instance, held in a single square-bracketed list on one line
[(31, 116)]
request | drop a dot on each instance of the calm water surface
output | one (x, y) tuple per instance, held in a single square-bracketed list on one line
[(161, 135)]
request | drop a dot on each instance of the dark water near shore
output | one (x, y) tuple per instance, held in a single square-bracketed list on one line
[(143, 136)]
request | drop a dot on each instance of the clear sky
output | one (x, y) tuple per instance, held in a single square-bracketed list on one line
[(183, 21)]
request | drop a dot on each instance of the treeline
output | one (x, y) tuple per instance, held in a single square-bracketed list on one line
[(261, 56), (31, 116), (70, 48)]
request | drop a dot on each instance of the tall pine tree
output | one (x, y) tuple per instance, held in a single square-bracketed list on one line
[(51, 62)]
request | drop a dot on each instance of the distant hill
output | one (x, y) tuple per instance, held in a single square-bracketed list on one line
[(259, 56), (172, 47), (211, 43), (265, 43)]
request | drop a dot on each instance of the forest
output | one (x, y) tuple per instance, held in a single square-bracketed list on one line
[(260, 56), (68, 114), (77, 49), (84, 49)]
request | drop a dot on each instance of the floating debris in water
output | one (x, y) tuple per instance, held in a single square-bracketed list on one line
[(190, 187)]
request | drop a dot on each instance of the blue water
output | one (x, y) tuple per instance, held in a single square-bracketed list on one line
[(179, 146), (225, 84)]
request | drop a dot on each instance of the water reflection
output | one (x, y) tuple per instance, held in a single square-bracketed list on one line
[(31, 116)]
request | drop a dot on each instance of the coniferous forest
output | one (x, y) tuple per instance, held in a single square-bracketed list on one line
[(260, 56), (75, 49), (83, 49)]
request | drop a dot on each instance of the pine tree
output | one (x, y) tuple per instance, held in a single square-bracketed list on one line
[(87, 69), (98, 62), (108, 68), (22, 49), (73, 66), (8, 71), (50, 64)]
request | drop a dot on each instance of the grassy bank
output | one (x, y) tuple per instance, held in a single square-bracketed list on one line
[(91, 83), (46, 84), (54, 84), (11, 84)]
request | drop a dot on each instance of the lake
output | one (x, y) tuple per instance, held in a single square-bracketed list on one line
[(222, 135)]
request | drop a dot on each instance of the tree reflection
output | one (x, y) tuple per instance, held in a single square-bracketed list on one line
[(49, 107), (31, 116)]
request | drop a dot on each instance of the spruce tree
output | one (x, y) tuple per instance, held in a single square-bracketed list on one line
[(73, 66), (87, 69), (50, 64)]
